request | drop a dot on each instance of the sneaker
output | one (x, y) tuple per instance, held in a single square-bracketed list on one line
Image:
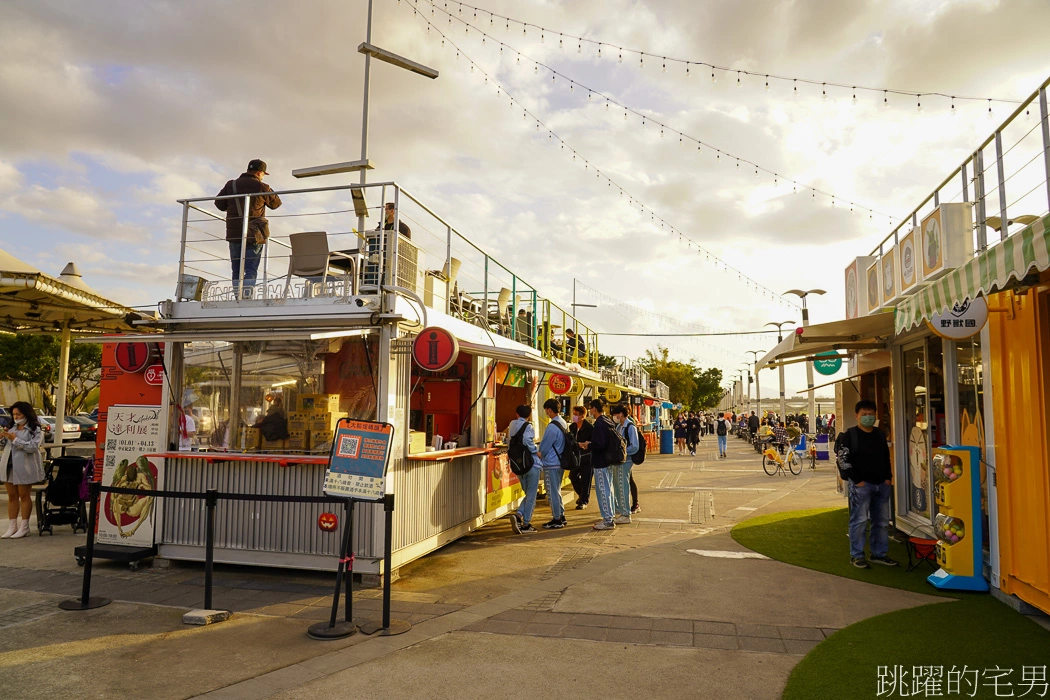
[(528, 529), (692, 453), (636, 509), (604, 525), (860, 562), (581, 506), (622, 520), (554, 525), (885, 561), (515, 523)]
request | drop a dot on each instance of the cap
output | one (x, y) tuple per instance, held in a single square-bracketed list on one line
[(255, 165)]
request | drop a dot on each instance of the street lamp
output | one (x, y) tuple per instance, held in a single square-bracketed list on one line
[(809, 365), (574, 304), (758, 386), (747, 386), (780, 339)]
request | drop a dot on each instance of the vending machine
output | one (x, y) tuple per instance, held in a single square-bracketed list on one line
[(957, 490)]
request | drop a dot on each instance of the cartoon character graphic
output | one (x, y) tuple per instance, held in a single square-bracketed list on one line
[(888, 276), (933, 244), (918, 470), (127, 512)]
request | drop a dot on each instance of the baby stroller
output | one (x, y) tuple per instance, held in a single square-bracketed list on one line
[(62, 501)]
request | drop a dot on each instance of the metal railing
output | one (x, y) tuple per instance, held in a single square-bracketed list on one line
[(436, 262)]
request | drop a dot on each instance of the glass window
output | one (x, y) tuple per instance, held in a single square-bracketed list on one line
[(971, 405), (915, 425)]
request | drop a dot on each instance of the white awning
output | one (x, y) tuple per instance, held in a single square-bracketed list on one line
[(229, 335), (864, 333)]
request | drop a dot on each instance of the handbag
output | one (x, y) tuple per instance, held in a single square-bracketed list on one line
[(257, 225), (5, 459)]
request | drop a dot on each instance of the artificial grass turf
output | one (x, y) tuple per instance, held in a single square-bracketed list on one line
[(816, 539), (975, 631)]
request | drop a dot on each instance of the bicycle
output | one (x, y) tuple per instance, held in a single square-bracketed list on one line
[(811, 444), (773, 463)]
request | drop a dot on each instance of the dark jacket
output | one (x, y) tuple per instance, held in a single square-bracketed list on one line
[(753, 424), (601, 435), (582, 433), (870, 461), (246, 184)]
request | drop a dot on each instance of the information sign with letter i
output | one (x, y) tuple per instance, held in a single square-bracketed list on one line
[(358, 461)]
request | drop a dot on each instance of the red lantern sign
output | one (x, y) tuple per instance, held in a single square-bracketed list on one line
[(135, 357), (327, 522), (560, 384), (649, 402), (154, 375), (435, 349)]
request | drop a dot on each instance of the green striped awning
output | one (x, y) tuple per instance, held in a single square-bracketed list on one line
[(988, 272)]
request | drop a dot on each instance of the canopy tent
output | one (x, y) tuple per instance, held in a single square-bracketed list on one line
[(32, 302), (992, 270), (864, 333)]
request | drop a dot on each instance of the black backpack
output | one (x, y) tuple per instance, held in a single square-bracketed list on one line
[(616, 450), (570, 456), (720, 427), (639, 456), (521, 459), (844, 453)]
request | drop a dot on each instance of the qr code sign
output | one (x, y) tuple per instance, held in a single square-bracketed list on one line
[(349, 446)]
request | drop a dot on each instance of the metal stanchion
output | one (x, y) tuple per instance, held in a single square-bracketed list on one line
[(209, 544), (86, 602), (388, 627), (333, 629)]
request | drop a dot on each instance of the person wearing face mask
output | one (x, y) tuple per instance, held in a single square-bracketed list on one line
[(580, 431), (23, 469), (601, 436), (864, 462), (621, 473)]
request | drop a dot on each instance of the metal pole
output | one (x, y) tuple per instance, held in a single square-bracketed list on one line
[(965, 183), (234, 424), (388, 556), (333, 629), (1004, 221), (809, 369), (1044, 115), (182, 249), (63, 379), (86, 602), (979, 200), (758, 392), (210, 501), (244, 245), (364, 120), (348, 554), (783, 398)]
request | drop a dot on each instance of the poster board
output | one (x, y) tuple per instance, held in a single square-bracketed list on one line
[(358, 462), (131, 433), (502, 485)]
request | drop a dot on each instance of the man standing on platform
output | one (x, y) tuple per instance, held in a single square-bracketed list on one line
[(552, 448), (521, 519), (248, 182)]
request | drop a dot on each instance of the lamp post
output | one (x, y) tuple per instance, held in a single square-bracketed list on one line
[(780, 339), (809, 365), (747, 386), (758, 386)]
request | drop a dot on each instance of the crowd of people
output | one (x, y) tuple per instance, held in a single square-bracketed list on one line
[(597, 447)]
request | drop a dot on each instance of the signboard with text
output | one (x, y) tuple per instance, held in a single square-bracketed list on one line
[(131, 433), (359, 458)]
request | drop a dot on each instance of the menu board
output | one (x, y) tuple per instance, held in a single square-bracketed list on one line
[(131, 433), (358, 461)]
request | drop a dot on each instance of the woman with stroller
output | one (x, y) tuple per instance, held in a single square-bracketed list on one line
[(22, 469)]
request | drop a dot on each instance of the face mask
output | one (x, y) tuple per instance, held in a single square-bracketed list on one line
[(576, 419), (868, 421), (20, 421)]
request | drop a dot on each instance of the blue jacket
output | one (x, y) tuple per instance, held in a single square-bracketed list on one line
[(553, 443), (630, 433), (529, 438)]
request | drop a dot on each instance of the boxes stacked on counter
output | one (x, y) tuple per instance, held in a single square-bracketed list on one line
[(298, 421), (321, 441), (298, 440), (273, 445), (320, 414), (318, 403), (246, 440)]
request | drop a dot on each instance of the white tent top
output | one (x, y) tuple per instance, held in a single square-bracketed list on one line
[(864, 333)]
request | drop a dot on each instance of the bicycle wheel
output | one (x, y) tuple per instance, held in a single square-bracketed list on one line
[(794, 463), (769, 465), (812, 460)]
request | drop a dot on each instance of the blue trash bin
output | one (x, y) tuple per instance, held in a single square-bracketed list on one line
[(667, 442)]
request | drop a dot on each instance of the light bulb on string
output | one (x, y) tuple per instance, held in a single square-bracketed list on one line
[(713, 77), (989, 109), (641, 60), (543, 39), (561, 43), (854, 94), (579, 47), (885, 98), (767, 83), (599, 50), (738, 83), (953, 112), (918, 104), (824, 91), (795, 89), (664, 67), (687, 73)]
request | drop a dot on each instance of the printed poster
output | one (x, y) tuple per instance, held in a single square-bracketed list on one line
[(502, 486), (131, 433), (358, 462)]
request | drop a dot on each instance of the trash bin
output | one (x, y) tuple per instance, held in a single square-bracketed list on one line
[(667, 442)]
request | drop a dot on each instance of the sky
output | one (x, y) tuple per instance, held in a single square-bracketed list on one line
[(112, 110)]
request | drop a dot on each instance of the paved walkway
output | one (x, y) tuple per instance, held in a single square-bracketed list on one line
[(663, 607)]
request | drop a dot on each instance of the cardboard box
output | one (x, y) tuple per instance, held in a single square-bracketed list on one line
[(298, 421), (246, 440), (322, 421), (417, 442), (273, 445), (321, 441), (298, 441), (319, 402)]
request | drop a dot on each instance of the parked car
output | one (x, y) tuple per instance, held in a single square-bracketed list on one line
[(6, 421), (94, 414), (70, 433), (88, 427)]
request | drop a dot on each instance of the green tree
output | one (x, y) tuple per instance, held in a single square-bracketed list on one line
[(708, 388), (33, 359), (607, 361), (678, 376)]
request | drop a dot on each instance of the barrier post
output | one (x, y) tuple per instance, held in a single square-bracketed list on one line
[(333, 629), (388, 627), (349, 554), (86, 602), (210, 502)]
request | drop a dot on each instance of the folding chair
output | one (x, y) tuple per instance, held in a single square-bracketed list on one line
[(924, 550), (311, 258)]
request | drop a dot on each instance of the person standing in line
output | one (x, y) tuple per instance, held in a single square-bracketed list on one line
[(580, 431), (681, 432), (248, 182), (622, 472), (551, 450), (864, 462), (693, 432), (24, 469), (710, 423), (722, 427), (601, 437), (521, 519)]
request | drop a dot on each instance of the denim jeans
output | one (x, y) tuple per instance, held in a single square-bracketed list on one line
[(603, 491), (530, 482), (252, 256), (621, 478), (722, 444), (869, 502), (552, 479)]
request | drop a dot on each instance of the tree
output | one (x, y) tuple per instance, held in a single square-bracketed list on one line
[(692, 386), (607, 361), (708, 388), (33, 359)]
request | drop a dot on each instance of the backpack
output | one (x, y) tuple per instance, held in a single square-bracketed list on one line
[(843, 454), (639, 456), (521, 459), (616, 450), (720, 427), (570, 456)]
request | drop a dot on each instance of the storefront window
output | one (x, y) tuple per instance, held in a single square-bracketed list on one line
[(915, 425), (971, 404)]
